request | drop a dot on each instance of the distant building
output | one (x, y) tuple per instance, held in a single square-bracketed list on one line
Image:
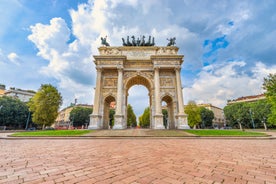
[(219, 120), (23, 95), (252, 98), (63, 116), (2, 89)]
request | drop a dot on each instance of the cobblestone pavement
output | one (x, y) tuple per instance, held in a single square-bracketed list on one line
[(137, 161)]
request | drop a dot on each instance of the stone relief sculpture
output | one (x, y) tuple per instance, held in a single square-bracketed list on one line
[(139, 41)]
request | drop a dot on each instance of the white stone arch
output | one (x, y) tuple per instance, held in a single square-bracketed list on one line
[(157, 68), (143, 80), (108, 99), (169, 121)]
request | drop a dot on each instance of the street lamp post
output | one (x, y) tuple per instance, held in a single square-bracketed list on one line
[(27, 123), (252, 120)]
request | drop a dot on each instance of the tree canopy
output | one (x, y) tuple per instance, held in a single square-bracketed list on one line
[(193, 112), (13, 113), (144, 120), (247, 114), (131, 117), (207, 117), (80, 116), (270, 86), (45, 104)]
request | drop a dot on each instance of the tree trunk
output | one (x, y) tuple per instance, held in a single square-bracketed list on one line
[(240, 126), (265, 126), (194, 127), (43, 127)]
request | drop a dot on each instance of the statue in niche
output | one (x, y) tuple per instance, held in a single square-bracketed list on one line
[(104, 42), (171, 41)]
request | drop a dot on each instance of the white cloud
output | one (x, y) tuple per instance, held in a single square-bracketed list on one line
[(70, 61), (13, 57), (218, 82)]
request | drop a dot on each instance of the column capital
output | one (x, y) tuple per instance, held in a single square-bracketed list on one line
[(120, 67), (156, 68), (177, 68), (99, 68)]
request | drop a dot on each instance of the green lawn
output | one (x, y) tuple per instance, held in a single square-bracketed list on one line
[(225, 133), (52, 133)]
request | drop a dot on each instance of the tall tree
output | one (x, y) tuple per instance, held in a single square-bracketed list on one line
[(165, 117), (260, 110), (111, 117), (13, 112), (80, 116), (238, 114), (145, 118), (45, 104), (131, 117), (270, 86), (193, 112), (207, 117)]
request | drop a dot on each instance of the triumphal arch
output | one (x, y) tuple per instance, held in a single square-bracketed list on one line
[(157, 68)]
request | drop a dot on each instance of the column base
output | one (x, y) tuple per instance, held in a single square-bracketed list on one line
[(158, 122), (182, 122), (95, 122), (118, 122)]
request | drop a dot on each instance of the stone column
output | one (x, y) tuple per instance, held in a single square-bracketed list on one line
[(95, 117), (182, 117), (118, 124), (158, 117)]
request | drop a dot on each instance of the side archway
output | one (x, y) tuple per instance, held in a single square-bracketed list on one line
[(168, 119), (108, 102)]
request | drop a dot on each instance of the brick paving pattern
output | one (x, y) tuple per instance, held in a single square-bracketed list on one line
[(48, 161)]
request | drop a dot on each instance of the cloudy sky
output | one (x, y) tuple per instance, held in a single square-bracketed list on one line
[(229, 46)]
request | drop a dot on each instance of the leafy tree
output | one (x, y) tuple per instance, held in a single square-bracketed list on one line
[(145, 118), (260, 111), (193, 112), (131, 117), (111, 117), (238, 114), (207, 117), (80, 116), (270, 86), (13, 112), (45, 104), (247, 114), (165, 117)]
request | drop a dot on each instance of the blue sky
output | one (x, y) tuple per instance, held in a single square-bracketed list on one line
[(229, 46)]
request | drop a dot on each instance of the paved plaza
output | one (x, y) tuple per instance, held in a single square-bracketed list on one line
[(135, 160)]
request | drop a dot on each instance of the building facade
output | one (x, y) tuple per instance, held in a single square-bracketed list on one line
[(23, 95), (2, 90), (252, 98)]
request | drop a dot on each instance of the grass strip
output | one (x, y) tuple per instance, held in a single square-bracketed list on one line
[(222, 133), (51, 133)]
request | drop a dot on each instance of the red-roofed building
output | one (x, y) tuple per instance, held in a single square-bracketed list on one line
[(252, 98)]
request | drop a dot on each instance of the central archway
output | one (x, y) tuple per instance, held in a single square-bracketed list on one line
[(134, 81)]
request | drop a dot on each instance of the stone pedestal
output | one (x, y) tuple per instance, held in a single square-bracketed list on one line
[(95, 121), (158, 122), (182, 122), (118, 122)]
